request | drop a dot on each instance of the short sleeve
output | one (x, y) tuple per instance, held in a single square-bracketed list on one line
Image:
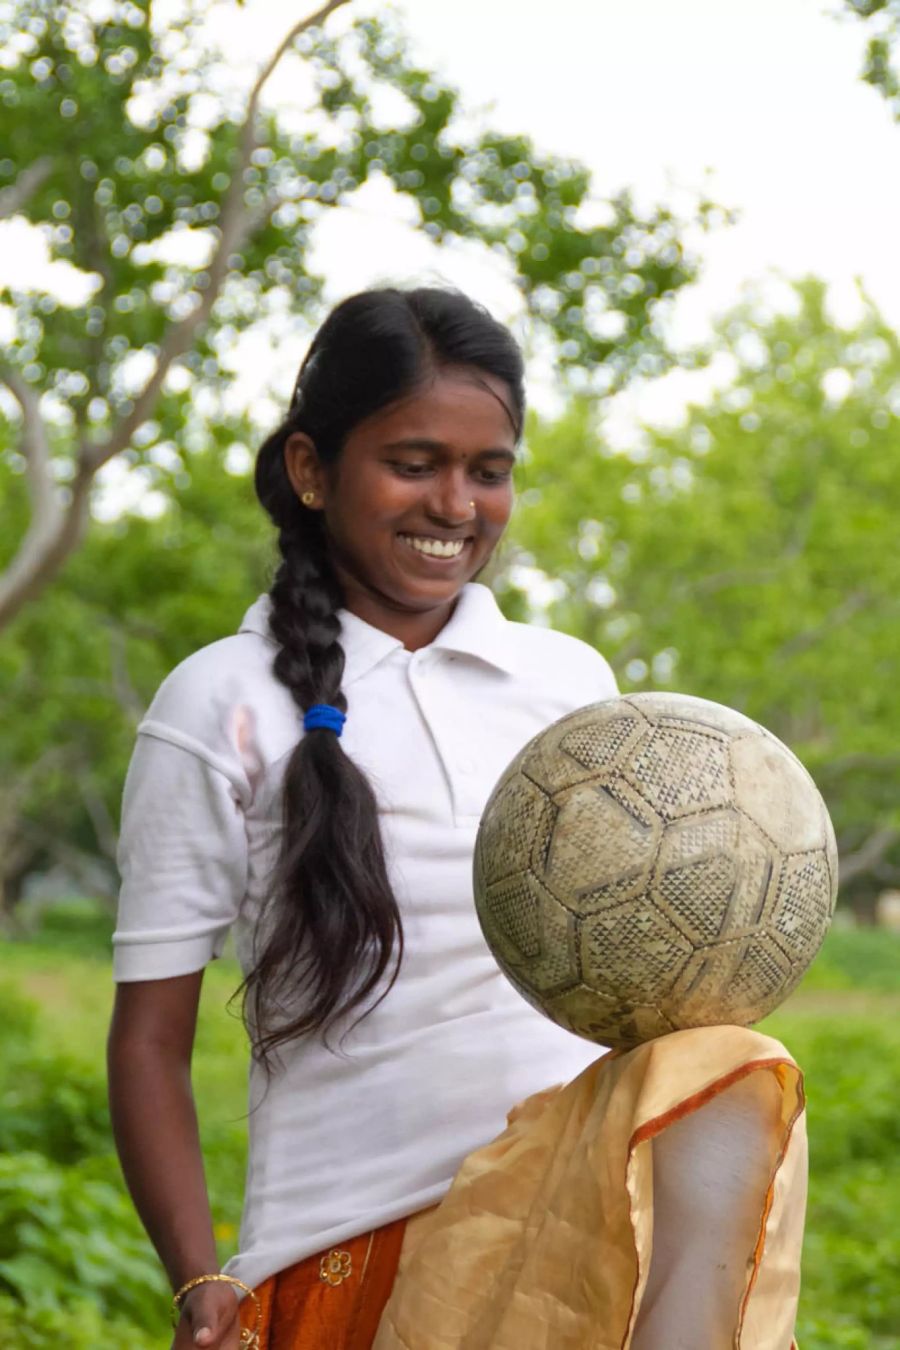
[(182, 858), (607, 686)]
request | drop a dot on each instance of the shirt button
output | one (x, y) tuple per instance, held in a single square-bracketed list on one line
[(466, 766)]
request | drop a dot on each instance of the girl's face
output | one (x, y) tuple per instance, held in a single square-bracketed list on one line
[(417, 500)]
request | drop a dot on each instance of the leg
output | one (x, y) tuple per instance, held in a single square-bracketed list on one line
[(710, 1176), (546, 1230)]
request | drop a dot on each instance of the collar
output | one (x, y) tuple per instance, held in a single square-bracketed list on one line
[(476, 629)]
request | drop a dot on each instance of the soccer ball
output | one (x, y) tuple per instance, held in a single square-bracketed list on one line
[(654, 862)]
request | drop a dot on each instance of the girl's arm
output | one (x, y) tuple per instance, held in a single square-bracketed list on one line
[(154, 1122)]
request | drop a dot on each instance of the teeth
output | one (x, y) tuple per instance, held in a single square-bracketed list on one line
[(435, 548)]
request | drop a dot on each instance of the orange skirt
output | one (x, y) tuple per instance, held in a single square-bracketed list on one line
[(546, 1236), (331, 1301)]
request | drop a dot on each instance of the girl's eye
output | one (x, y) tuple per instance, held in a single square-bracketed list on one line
[(494, 475), (410, 470)]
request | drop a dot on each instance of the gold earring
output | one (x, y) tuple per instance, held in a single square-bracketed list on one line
[(471, 506), (308, 498)]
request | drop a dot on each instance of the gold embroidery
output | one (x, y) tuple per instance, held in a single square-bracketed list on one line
[(335, 1267)]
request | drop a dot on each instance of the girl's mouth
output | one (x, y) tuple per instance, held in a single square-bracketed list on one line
[(431, 547)]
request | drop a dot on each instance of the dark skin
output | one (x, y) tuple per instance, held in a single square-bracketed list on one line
[(155, 1127), (432, 470), (434, 466)]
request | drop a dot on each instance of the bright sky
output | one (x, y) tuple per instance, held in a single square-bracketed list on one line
[(763, 96), (758, 100), (764, 93)]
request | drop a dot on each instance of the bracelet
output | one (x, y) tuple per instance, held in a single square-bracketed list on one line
[(248, 1338)]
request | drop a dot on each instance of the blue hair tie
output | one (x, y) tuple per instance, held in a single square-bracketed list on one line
[(324, 715)]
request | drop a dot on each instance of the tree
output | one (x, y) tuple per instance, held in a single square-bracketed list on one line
[(881, 68), (125, 140), (749, 555), (78, 668)]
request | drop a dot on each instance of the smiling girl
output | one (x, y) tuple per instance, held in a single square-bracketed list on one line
[(313, 784), (340, 854)]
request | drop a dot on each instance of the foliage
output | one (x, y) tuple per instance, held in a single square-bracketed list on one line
[(80, 1325), (850, 1298), (68, 1238), (857, 958), (42, 1208), (881, 68), (123, 141), (137, 599), (133, 144), (50, 1207), (749, 555), (75, 1266)]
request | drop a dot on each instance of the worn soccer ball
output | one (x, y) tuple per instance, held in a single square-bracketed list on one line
[(654, 862)]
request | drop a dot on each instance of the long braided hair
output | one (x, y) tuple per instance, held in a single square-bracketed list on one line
[(330, 934)]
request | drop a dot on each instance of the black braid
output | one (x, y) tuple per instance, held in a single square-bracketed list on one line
[(334, 937), (305, 597), (330, 936)]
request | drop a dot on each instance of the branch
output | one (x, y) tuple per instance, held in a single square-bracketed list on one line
[(35, 447), (719, 581), (841, 613), (104, 828), (15, 791), (869, 854), (19, 193), (235, 225), (118, 687), (44, 548), (860, 759), (759, 576), (56, 529), (127, 697), (81, 864), (248, 143)]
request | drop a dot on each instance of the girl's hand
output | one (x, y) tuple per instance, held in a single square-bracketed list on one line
[(209, 1319)]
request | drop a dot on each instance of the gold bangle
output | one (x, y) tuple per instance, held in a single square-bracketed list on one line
[(248, 1338)]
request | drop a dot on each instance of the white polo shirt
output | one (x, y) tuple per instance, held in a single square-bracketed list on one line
[(344, 1140)]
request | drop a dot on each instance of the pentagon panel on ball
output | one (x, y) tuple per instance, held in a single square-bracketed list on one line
[(654, 862)]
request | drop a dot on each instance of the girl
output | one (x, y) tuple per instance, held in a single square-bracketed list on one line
[(314, 785)]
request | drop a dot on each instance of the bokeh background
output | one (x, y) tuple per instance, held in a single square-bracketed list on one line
[(689, 214)]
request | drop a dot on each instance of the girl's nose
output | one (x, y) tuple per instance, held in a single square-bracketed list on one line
[(451, 500)]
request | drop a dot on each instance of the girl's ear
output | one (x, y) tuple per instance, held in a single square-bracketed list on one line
[(303, 468)]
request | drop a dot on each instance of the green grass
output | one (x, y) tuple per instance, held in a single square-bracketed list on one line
[(843, 1027), (862, 959), (72, 1249)]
